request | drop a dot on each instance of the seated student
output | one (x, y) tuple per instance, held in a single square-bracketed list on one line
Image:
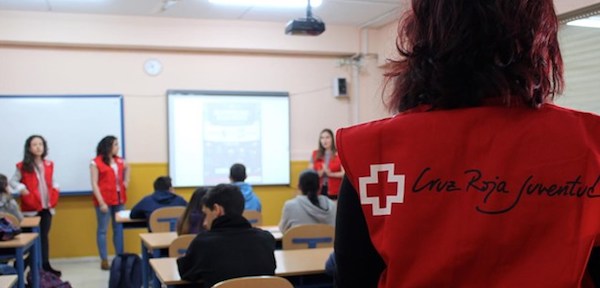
[(237, 175), (7, 202), (163, 196), (231, 247), (192, 219), (308, 207)]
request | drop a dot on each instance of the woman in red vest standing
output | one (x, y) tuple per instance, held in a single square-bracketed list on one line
[(110, 175), (39, 193), (326, 162)]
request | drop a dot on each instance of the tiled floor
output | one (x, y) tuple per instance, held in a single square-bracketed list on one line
[(82, 272)]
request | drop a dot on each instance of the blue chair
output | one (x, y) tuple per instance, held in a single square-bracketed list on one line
[(254, 217), (308, 236), (180, 245), (255, 282), (165, 219)]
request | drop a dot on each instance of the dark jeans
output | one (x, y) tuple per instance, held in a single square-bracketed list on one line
[(325, 190), (45, 223)]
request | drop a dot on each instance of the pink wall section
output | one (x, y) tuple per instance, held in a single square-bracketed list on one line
[(64, 54)]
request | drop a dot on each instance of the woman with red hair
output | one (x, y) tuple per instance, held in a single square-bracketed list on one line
[(478, 180)]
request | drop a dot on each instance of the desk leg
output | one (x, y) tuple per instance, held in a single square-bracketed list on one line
[(37, 258), (119, 228), (145, 266), (38, 244), (21, 267), (156, 282)]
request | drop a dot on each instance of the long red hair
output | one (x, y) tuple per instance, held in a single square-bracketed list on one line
[(458, 53)]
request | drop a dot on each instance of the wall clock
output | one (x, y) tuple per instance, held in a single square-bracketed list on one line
[(152, 67)]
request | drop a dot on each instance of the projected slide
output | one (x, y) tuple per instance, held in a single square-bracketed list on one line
[(210, 131), (231, 135)]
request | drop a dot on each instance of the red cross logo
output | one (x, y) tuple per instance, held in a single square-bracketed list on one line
[(398, 197)]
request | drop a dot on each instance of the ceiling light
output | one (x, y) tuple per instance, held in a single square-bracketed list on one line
[(268, 3), (591, 22)]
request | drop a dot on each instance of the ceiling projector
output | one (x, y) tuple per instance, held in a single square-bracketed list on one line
[(305, 26), (310, 25)]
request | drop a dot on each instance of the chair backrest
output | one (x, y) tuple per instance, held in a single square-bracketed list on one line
[(12, 219), (308, 236), (254, 217), (180, 245), (255, 282), (165, 219)]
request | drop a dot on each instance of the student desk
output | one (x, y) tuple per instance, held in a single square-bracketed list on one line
[(274, 230), (289, 263), (17, 248), (7, 281), (124, 222), (301, 261), (155, 243), (32, 224)]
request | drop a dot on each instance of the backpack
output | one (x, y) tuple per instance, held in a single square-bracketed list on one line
[(48, 280), (8, 231), (126, 271)]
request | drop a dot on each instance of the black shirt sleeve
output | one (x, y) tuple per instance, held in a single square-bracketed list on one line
[(358, 263), (191, 266)]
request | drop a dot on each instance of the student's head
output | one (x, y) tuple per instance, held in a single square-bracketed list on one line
[(3, 184), (326, 142), (196, 200), (195, 205), (162, 183), (107, 148), (35, 147), (220, 200), (237, 173), (309, 185), (462, 53)]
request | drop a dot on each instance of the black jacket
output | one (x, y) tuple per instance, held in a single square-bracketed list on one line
[(232, 248)]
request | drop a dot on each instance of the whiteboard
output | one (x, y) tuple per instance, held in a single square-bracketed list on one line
[(209, 131), (72, 127)]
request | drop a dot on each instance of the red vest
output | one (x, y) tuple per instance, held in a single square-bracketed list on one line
[(333, 183), (32, 201), (107, 182), (479, 197)]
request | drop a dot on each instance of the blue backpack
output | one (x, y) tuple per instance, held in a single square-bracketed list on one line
[(126, 271)]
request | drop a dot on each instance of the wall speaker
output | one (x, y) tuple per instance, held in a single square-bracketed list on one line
[(340, 87)]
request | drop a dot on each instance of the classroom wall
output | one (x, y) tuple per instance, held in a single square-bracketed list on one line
[(44, 53), (35, 63)]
